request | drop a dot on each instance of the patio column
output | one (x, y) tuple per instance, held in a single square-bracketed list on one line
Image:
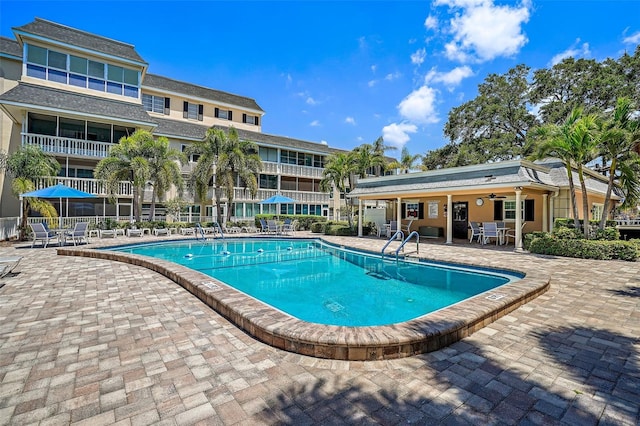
[(449, 219), (360, 214), (545, 213), (518, 242), (399, 212)]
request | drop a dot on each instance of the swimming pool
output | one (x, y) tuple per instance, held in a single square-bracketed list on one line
[(320, 283), (274, 327)]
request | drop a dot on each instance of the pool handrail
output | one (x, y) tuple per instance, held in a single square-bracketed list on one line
[(393, 237), (407, 240)]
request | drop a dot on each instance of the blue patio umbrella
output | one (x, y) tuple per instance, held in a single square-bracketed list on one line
[(59, 191), (278, 199)]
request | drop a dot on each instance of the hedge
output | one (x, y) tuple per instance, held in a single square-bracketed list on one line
[(304, 220), (585, 249)]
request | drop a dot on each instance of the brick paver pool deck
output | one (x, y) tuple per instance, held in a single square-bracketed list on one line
[(90, 341)]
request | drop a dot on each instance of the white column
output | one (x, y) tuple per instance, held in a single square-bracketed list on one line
[(545, 213), (518, 241), (449, 219), (360, 214)]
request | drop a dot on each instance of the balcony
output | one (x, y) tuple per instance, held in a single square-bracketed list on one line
[(301, 197), (67, 147), (92, 186), (291, 170)]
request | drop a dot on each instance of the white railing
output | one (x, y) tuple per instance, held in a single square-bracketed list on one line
[(628, 222), (291, 170), (92, 186), (67, 146), (70, 222), (241, 194)]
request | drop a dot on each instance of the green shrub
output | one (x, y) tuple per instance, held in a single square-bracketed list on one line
[(609, 233), (304, 220), (528, 237), (317, 228), (565, 222), (585, 249), (567, 233), (338, 230)]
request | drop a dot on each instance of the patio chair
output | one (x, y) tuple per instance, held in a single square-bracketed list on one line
[(289, 227), (263, 226), (78, 233), (272, 226), (490, 230), (8, 264), (392, 229), (406, 228), (39, 233), (476, 232), (511, 233)]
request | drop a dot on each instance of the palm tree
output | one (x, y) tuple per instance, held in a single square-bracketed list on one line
[(379, 148), (620, 147), (164, 171), (585, 145), (28, 165), (557, 141), (208, 150), (338, 169), (238, 158), (366, 157), (128, 161), (406, 163)]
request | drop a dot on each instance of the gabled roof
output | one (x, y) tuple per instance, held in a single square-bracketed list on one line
[(31, 96), (9, 47), (549, 175), (192, 131), (153, 81), (76, 38)]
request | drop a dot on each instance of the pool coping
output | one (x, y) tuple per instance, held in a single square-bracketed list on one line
[(273, 327)]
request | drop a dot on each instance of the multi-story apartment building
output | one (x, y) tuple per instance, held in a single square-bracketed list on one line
[(75, 94)]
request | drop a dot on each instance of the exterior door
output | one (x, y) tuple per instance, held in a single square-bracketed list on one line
[(460, 218)]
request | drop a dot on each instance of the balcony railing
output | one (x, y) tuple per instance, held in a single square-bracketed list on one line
[(300, 196), (67, 146), (92, 186), (292, 170)]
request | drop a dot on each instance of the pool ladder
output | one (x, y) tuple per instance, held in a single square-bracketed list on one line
[(200, 231), (404, 242)]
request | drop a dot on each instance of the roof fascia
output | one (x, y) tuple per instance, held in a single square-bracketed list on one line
[(20, 34), (198, 98), (8, 56), (461, 188)]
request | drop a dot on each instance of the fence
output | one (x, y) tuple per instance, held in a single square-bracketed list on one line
[(9, 227)]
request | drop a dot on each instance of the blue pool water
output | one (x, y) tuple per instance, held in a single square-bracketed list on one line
[(324, 284)]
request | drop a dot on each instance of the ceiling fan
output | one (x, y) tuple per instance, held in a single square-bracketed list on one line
[(493, 196)]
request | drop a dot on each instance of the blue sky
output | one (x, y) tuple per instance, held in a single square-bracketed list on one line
[(345, 73)]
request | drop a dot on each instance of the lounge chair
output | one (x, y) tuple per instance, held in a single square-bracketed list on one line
[(161, 231), (134, 232), (108, 233), (39, 233), (8, 264), (188, 231), (78, 233), (476, 232)]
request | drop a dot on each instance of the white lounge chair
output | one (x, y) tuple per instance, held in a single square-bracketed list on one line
[(134, 232), (8, 264), (78, 233), (39, 233), (161, 231)]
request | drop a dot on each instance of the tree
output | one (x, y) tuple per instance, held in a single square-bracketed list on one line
[(208, 150), (238, 158), (573, 143), (337, 170), (379, 149), (128, 161), (619, 142), (491, 127), (28, 165), (366, 157), (164, 171), (407, 161)]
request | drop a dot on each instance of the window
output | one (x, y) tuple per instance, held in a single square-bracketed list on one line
[(155, 103), (223, 114), (596, 211), (70, 128), (193, 158), (81, 72), (318, 161), (192, 111), (268, 181), (268, 154), (250, 119), (413, 210), (41, 124), (506, 210), (288, 183), (289, 157), (100, 132)]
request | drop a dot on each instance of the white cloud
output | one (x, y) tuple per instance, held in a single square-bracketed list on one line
[(419, 106), (311, 101), (374, 68), (350, 120), (315, 123), (450, 79), (397, 134), (393, 76), (372, 83), (324, 143), (632, 39), (574, 51), (418, 56), (431, 23), (483, 31)]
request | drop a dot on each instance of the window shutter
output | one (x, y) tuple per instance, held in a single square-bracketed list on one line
[(244, 118), (257, 120), (528, 210), (230, 116), (420, 210), (216, 112), (497, 210), (200, 112), (185, 109), (167, 106), (404, 209)]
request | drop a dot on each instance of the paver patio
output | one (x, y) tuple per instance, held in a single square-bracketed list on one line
[(89, 341)]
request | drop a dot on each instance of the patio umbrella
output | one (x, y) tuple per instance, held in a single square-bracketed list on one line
[(59, 191), (278, 199)]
